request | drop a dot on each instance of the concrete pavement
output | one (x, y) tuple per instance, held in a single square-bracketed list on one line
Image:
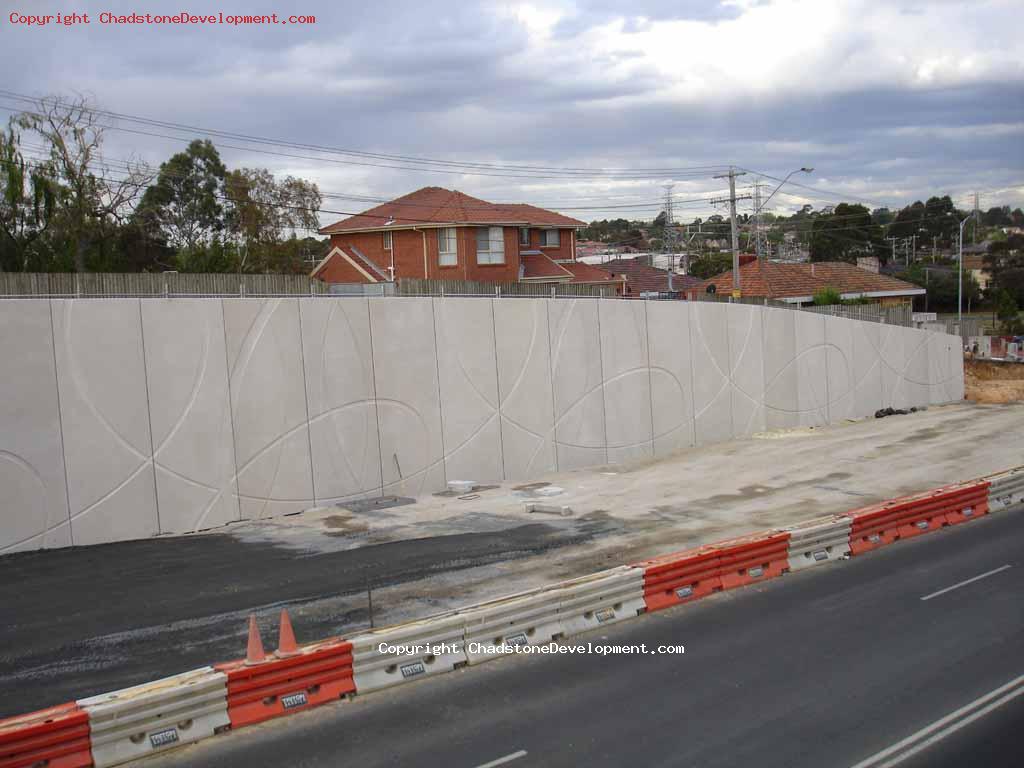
[(826, 667)]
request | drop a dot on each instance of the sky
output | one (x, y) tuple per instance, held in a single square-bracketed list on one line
[(889, 102)]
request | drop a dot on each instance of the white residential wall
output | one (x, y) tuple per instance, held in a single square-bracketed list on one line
[(259, 407)]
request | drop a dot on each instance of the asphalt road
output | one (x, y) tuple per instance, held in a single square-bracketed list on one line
[(79, 621), (831, 666)]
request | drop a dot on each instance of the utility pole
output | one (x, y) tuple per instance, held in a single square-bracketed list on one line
[(670, 232), (731, 175), (893, 241), (977, 216)]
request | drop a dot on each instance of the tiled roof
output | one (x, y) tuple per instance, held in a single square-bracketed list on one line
[(360, 259), (538, 266), (781, 281), (585, 273), (435, 205), (642, 277)]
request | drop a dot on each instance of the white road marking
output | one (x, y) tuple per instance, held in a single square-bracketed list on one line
[(938, 730), (965, 583), (505, 759)]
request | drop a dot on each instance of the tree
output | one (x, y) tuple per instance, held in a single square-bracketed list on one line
[(184, 205), (827, 296), (844, 234), (28, 199), (265, 211), (1008, 311), (93, 200), (711, 265)]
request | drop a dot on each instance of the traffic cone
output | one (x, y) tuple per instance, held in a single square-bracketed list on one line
[(286, 645), (254, 650)]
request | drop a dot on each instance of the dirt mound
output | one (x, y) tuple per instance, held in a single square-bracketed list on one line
[(988, 382)]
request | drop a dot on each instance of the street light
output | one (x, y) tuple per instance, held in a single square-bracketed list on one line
[(798, 170), (960, 278), (757, 212)]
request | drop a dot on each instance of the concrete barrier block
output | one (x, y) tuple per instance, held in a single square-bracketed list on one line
[(268, 403), (155, 717), (193, 445), (31, 455)]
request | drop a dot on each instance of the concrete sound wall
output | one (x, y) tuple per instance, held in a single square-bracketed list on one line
[(128, 418)]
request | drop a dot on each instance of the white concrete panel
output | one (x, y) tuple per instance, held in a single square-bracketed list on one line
[(339, 390), (577, 383), (867, 368), (891, 354), (746, 356), (943, 372), (408, 407), (782, 409), (190, 413), (268, 406), (468, 377), (811, 369), (841, 367), (101, 378), (34, 508), (524, 385), (955, 391), (917, 368), (627, 380), (712, 389), (668, 336)]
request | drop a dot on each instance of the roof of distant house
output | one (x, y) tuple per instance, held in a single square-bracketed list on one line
[(585, 273), (436, 206), (642, 278), (799, 282)]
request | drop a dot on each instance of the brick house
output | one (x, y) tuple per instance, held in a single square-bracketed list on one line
[(440, 233), (797, 283)]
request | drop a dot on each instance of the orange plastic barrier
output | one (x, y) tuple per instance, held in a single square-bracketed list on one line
[(283, 684), (681, 577), (756, 557), (889, 521), (57, 737)]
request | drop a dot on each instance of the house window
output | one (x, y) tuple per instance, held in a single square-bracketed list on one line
[(524, 235), (549, 238), (387, 241), (447, 254), (490, 245)]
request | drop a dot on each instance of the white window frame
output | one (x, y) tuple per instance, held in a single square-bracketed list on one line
[(545, 243), (495, 251), (524, 231), (447, 247), (387, 241)]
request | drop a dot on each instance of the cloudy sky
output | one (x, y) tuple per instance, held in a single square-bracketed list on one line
[(888, 101)]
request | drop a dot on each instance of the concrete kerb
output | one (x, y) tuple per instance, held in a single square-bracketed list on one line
[(185, 708)]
